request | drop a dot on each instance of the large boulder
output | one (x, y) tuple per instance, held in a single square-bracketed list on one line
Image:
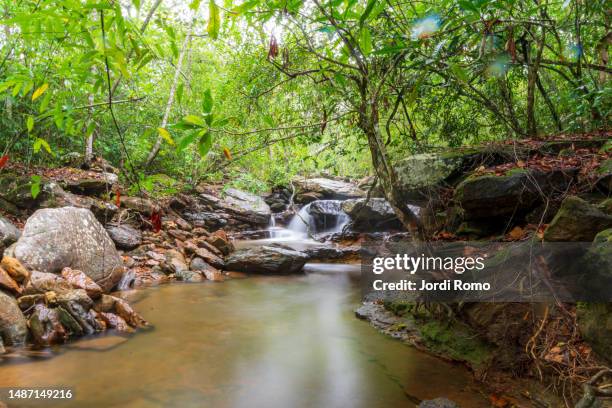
[(374, 215), (124, 236), (13, 327), (8, 233), (266, 260), (243, 206), (101, 183), (577, 221), (56, 197), (325, 188), (54, 239), (517, 191), (326, 215)]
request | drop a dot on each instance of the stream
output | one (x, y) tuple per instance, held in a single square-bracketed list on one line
[(283, 341)]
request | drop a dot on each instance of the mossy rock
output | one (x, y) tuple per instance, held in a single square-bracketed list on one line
[(16, 193), (604, 171), (577, 221), (595, 324)]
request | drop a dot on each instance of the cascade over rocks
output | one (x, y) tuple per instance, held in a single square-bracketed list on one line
[(54, 239), (577, 220), (266, 260)]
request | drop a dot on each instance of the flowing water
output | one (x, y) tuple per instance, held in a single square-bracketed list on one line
[(290, 341)]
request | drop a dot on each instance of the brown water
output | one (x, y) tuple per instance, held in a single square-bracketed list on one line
[(257, 342)]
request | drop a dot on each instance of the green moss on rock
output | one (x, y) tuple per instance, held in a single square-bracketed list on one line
[(577, 221)]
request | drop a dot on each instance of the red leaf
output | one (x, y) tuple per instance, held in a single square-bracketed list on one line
[(3, 160), (118, 198), (156, 221)]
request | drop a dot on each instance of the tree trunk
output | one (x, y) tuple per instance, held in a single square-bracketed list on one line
[(177, 75)]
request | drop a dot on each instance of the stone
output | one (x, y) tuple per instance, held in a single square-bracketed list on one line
[(54, 239), (78, 304), (438, 403), (42, 282), (124, 236), (241, 205), (595, 324), (56, 197), (15, 191), (209, 257), (205, 219), (266, 260), (8, 233), (375, 215), (116, 322), (78, 280), (214, 275), (8, 283), (141, 205), (188, 276), (604, 173), (45, 326), (13, 326), (326, 188), (176, 261), (104, 183), (184, 225), (27, 301), (15, 269), (220, 240), (577, 221), (515, 192)]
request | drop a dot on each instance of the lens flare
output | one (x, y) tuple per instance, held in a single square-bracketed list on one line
[(574, 52), (499, 66), (425, 27)]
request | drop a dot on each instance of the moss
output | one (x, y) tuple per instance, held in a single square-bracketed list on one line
[(456, 341), (398, 307), (605, 167)]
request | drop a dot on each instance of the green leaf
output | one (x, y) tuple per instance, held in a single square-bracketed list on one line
[(207, 101), (205, 144), (164, 134), (367, 11), (195, 4), (214, 20), (365, 41), (30, 123), (244, 7), (38, 93), (187, 140), (38, 143), (136, 4), (35, 186), (194, 120), (459, 72)]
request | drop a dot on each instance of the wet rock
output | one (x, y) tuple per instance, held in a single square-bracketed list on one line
[(56, 197), (45, 326), (15, 269), (78, 304), (220, 240), (54, 239), (71, 325), (188, 276), (309, 197), (577, 221), (104, 183), (375, 215), (41, 282), (13, 326), (325, 188), (267, 260), (124, 236), (8, 233), (325, 253), (78, 280), (141, 205), (595, 324), (176, 261), (438, 403), (182, 224), (116, 322), (209, 257), (604, 172), (27, 301), (214, 275), (8, 283), (210, 272), (241, 205), (123, 309)]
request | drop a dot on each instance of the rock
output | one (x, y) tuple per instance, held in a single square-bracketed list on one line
[(2, 351), (188, 276), (214, 275), (125, 311), (13, 326), (210, 272), (104, 183), (577, 221), (116, 322), (8, 283), (306, 198), (15, 193), (54, 239), (124, 236), (595, 324), (42, 282), (376, 215), (515, 192), (176, 261), (325, 188), (78, 304), (184, 225), (56, 197), (324, 253), (78, 280), (209, 257), (15, 269), (220, 240), (206, 219), (267, 260), (8, 233), (45, 326), (241, 205), (27, 301), (70, 324), (604, 172), (141, 205), (438, 403)]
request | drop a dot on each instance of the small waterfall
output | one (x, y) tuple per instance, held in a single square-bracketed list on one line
[(300, 223), (319, 216)]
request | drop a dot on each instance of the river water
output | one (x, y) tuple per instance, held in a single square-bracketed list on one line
[(290, 341)]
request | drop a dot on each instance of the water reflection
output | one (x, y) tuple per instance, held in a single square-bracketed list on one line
[(259, 342)]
